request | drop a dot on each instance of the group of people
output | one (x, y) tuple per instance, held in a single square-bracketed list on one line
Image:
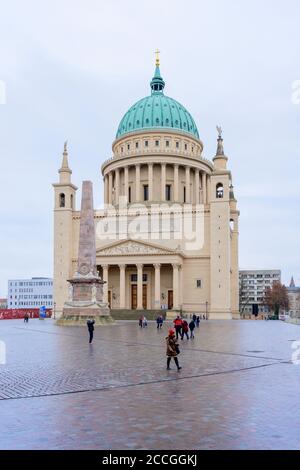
[(182, 327), (143, 322)]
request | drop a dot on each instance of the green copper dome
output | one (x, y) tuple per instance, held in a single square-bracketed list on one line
[(157, 111)]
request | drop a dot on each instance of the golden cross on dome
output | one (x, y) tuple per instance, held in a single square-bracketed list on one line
[(157, 52)]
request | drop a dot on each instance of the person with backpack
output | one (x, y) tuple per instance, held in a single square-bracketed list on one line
[(192, 326), (172, 349), (178, 326), (185, 329)]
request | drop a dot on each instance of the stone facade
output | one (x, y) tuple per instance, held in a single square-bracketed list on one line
[(156, 178)]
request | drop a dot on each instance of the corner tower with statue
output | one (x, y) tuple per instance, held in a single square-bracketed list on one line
[(151, 254)]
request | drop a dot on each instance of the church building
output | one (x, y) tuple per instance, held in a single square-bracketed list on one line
[(167, 237)]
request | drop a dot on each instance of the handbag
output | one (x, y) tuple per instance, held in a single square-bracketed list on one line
[(177, 349)]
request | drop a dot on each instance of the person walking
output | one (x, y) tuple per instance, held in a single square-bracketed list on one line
[(198, 321), (26, 318), (194, 318), (145, 322), (172, 349), (185, 329), (178, 326), (141, 321), (158, 322), (90, 324), (192, 326)]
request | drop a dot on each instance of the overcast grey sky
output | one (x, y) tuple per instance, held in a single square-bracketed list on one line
[(72, 68)]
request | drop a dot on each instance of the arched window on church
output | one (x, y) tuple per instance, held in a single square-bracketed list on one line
[(231, 224), (62, 200), (72, 201), (219, 191)]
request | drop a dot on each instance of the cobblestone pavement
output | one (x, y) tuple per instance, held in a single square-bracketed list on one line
[(237, 389)]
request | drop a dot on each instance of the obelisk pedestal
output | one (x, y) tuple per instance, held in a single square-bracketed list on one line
[(86, 287)]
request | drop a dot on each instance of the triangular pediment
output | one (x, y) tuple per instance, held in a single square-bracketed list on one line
[(133, 247)]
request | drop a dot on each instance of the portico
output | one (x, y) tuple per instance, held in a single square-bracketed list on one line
[(137, 278)]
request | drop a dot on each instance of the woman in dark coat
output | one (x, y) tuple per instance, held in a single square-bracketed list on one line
[(172, 349)]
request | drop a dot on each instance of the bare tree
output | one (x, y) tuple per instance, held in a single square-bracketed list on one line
[(276, 297)]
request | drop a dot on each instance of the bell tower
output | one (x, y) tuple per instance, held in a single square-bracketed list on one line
[(64, 205), (220, 259)]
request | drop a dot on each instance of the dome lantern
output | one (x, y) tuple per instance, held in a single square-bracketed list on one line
[(157, 83)]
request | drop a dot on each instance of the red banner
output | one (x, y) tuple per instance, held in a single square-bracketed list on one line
[(19, 313)]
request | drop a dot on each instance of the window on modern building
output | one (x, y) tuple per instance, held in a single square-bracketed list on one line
[(184, 194), (157, 143), (198, 283), (146, 192), (219, 191), (129, 194), (62, 200), (146, 143), (168, 192)]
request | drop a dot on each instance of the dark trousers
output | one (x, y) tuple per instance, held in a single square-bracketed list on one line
[(184, 333), (91, 335), (192, 334), (169, 362), (178, 331)]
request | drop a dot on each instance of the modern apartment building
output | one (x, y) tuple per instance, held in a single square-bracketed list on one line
[(30, 293), (253, 284)]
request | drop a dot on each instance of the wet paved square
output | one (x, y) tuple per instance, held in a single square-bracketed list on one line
[(237, 389)]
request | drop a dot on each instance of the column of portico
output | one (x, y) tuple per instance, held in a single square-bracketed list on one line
[(204, 199), (163, 181), (110, 186), (187, 185), (139, 286), (150, 181), (122, 285), (126, 168), (157, 286), (175, 286), (105, 285), (176, 183), (197, 186), (117, 186), (137, 182)]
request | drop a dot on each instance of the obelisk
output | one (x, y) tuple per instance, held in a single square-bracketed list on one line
[(86, 287)]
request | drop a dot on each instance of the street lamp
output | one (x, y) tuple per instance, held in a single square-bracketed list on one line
[(206, 310)]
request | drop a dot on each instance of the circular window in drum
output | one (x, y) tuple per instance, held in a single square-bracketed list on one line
[(129, 125), (176, 122), (137, 122), (157, 121), (167, 121), (147, 121)]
